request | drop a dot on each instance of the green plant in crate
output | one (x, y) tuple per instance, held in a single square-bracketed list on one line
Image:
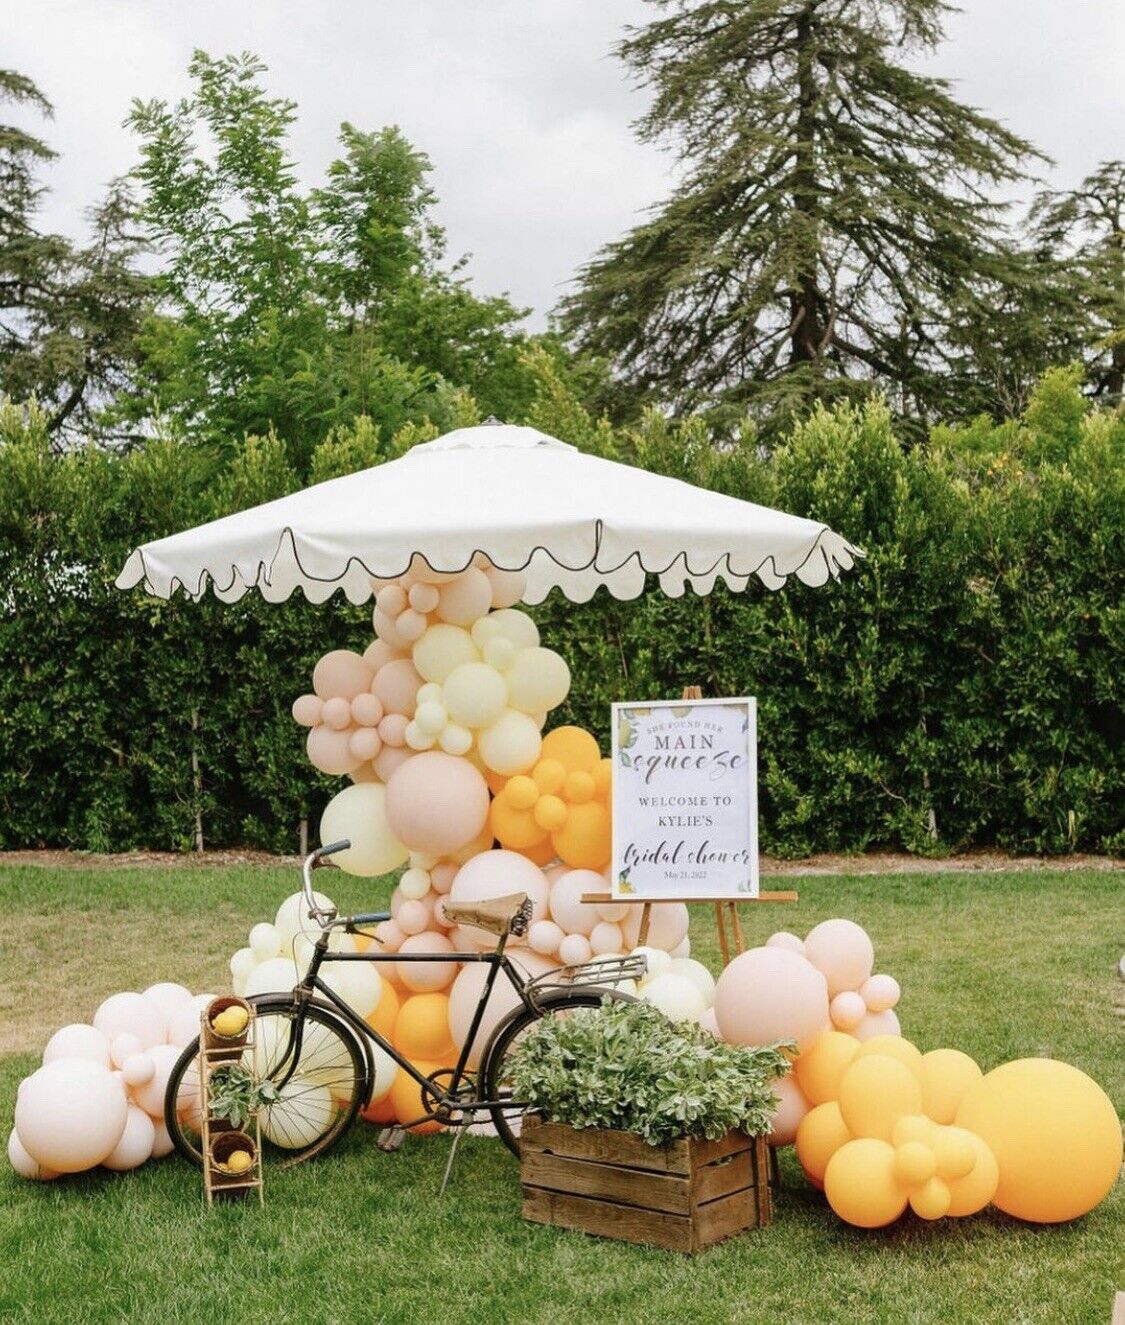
[(236, 1094), (626, 1067)]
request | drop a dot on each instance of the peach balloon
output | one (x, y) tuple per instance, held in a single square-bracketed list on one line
[(367, 709), (442, 876), (437, 803), (606, 937), (336, 713), (396, 686), (842, 950), (508, 586), (877, 1023), (150, 1094), (330, 751), (463, 600), (136, 1142), (568, 910), (307, 710), (574, 950), (365, 743), (389, 760), (78, 1041), (667, 928), (378, 654), (424, 977), (126, 1045), (131, 1014), (880, 993), (791, 1108), (498, 873), (413, 915), (162, 1143), (767, 995), (139, 1068), (70, 1114), (465, 992), (847, 1010), (341, 673), (544, 936), (783, 939)]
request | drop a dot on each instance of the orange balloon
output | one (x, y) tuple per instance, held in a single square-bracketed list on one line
[(386, 1010), (382, 1111), (574, 748), (584, 841), (422, 1028), (406, 1097), (820, 1133), (603, 777), (362, 942), (516, 829), (821, 1067), (542, 853)]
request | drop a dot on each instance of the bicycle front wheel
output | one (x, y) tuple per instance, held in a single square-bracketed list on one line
[(494, 1073), (316, 1106)]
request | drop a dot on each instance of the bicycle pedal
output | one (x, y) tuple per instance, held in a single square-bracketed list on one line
[(390, 1139)]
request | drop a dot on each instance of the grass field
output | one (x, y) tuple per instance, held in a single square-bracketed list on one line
[(1000, 965)]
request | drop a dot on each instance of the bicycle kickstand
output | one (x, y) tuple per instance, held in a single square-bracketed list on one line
[(459, 1132)]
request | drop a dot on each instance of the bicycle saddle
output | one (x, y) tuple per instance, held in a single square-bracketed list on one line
[(497, 915)]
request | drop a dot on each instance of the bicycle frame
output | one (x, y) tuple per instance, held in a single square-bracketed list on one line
[(447, 1098)]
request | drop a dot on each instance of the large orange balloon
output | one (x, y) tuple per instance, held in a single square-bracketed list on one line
[(382, 1111), (584, 841), (574, 748), (386, 1010), (1055, 1135), (422, 1028), (406, 1096), (821, 1067)]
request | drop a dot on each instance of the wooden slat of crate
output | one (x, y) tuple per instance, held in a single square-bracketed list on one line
[(608, 1219), (622, 1148)]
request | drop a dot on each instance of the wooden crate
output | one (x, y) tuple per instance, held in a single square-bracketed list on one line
[(683, 1196)]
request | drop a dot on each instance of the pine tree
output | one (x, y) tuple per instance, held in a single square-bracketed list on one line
[(1082, 232), (834, 223), (69, 313)]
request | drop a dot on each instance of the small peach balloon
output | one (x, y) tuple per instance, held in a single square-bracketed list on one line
[(341, 673), (842, 950), (880, 993), (847, 1010), (425, 977), (307, 710)]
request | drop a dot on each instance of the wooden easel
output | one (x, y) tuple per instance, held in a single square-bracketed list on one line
[(726, 909)]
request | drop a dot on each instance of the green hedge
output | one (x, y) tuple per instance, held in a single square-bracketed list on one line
[(962, 687)]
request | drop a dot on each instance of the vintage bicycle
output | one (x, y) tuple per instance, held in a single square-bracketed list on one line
[(314, 1047)]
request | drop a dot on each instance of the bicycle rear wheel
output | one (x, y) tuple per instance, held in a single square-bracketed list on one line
[(317, 1105), (494, 1069)]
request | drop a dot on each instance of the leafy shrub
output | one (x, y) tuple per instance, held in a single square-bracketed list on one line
[(625, 1066)]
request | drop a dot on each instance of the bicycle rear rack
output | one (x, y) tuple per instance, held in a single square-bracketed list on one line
[(602, 972)]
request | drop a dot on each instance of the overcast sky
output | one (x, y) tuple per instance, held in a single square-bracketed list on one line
[(519, 104)]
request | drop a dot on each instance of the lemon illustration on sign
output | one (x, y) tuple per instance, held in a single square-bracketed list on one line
[(230, 1022), (626, 733), (239, 1161)]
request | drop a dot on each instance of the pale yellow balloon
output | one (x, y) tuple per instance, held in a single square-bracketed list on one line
[(301, 1114), (441, 650), (509, 624), (475, 695), (538, 679), (511, 744), (359, 814)]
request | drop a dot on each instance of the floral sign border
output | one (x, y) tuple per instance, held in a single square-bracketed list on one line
[(674, 834)]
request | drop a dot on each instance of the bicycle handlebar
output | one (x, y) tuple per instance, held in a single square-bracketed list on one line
[(321, 915)]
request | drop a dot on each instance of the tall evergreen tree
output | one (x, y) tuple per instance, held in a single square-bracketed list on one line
[(69, 313), (834, 222), (1082, 231)]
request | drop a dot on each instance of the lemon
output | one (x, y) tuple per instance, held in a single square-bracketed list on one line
[(239, 1161), (231, 1021)]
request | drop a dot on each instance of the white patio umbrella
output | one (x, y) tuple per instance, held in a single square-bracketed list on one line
[(527, 501)]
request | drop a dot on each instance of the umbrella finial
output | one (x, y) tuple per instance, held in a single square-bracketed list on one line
[(492, 422)]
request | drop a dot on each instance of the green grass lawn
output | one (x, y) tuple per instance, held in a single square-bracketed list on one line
[(1000, 965)]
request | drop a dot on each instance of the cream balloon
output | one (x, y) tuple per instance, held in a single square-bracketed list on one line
[(168, 997), (264, 941), (300, 1115), (359, 984), (441, 650), (359, 814), (292, 917), (511, 744), (508, 624), (277, 976), (698, 974), (538, 679), (676, 996), (475, 694)]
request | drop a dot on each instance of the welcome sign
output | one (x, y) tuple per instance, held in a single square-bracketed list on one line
[(685, 799)]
